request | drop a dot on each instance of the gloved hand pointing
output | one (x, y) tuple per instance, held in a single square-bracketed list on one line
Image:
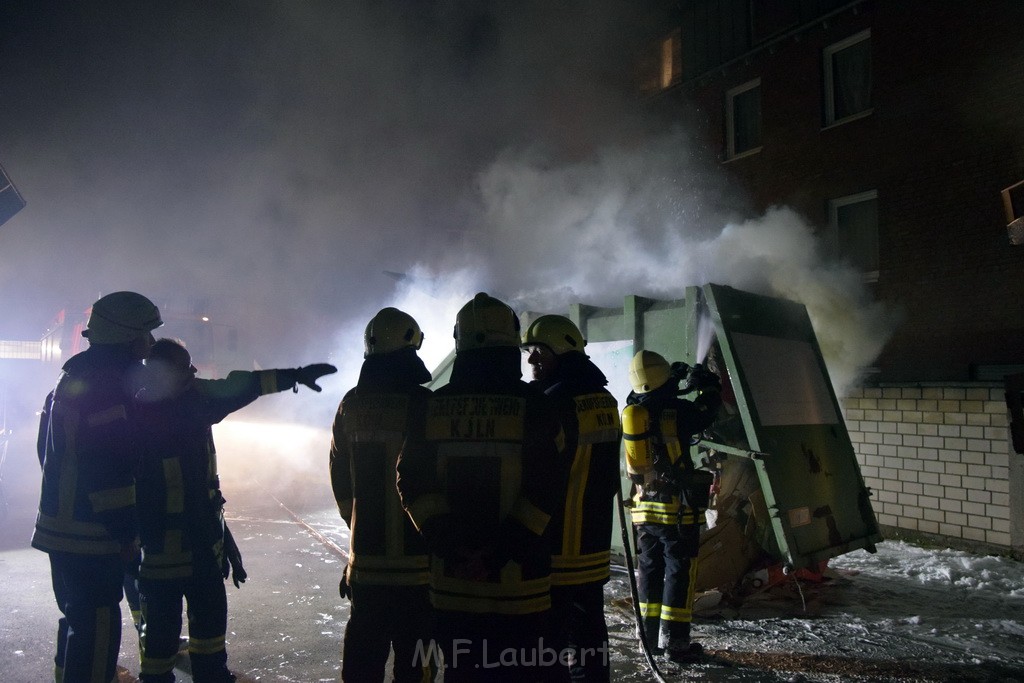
[(311, 373)]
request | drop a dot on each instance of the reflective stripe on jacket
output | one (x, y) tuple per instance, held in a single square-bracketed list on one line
[(582, 528)]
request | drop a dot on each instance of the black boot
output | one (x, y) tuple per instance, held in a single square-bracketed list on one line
[(651, 630), (679, 648), (684, 653)]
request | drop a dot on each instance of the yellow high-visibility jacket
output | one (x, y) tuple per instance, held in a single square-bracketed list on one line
[(581, 525)]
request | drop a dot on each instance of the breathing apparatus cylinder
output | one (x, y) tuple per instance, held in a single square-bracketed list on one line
[(635, 432)]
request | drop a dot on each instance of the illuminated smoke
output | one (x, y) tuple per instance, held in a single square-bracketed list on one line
[(256, 457), (620, 223), (279, 161)]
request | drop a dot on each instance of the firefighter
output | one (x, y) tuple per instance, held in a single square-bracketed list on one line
[(480, 479), (187, 551), (388, 565), (86, 521), (670, 494), (581, 525)]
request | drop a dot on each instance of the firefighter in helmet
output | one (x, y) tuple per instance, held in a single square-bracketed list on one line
[(480, 478), (670, 494), (581, 524), (187, 550), (388, 565), (88, 449)]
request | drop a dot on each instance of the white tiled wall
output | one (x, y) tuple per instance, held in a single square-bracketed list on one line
[(935, 458)]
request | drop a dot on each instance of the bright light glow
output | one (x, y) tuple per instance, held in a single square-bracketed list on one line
[(274, 454)]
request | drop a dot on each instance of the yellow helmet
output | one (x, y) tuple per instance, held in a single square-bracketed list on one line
[(556, 332), (391, 330), (485, 322), (648, 371), (120, 318)]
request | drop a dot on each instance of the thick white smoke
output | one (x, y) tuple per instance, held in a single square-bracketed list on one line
[(619, 223)]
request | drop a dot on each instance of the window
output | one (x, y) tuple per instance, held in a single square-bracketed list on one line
[(671, 59), (854, 221), (848, 78), (743, 119), (1013, 204), (661, 64)]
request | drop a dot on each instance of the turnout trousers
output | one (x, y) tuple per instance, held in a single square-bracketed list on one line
[(581, 631), (207, 609), (666, 559), (88, 592), (382, 618), (499, 648)]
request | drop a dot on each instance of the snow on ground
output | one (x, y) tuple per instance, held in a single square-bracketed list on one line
[(904, 613)]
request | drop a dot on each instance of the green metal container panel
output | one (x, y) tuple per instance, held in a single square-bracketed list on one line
[(816, 498)]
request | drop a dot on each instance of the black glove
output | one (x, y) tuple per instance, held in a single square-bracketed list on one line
[(344, 588), (702, 379), (233, 560), (679, 370), (311, 373)]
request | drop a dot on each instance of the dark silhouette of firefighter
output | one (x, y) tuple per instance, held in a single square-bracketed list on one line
[(187, 550), (89, 450), (670, 494), (581, 525), (388, 565), (480, 478)]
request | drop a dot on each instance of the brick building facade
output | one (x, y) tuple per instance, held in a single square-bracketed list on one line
[(893, 128)]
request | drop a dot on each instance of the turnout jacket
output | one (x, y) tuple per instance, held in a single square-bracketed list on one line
[(181, 510), (657, 428), (368, 432), (580, 529), (88, 449), (480, 478)]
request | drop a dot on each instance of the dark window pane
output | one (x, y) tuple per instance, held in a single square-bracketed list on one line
[(851, 79), (858, 234), (746, 110)]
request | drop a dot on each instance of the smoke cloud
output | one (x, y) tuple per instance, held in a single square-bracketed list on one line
[(269, 163)]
